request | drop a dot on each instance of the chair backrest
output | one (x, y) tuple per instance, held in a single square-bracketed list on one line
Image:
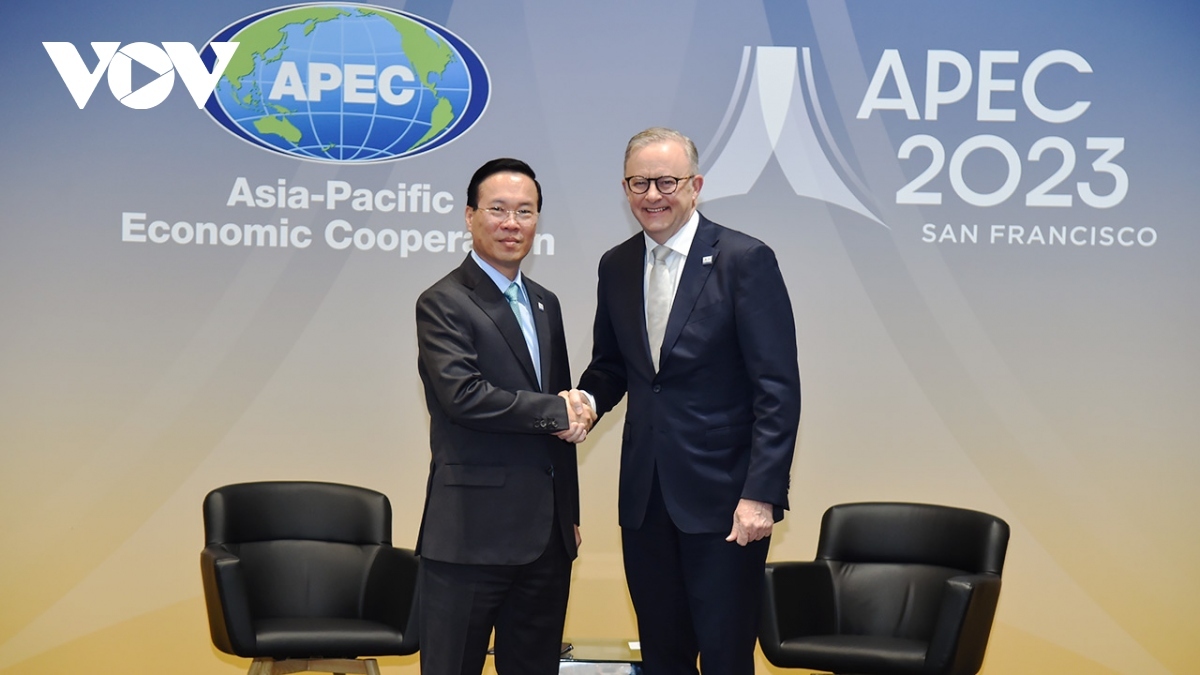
[(301, 510), (305, 547), (928, 534), (890, 562)]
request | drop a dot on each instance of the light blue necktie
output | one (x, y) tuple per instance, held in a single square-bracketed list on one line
[(525, 318)]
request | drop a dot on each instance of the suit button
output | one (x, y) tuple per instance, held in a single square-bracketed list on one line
[(553, 424), (656, 388), (550, 470)]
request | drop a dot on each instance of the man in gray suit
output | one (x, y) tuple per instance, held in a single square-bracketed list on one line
[(501, 520)]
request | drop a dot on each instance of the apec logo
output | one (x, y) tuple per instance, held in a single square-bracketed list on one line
[(347, 83), (117, 61), (341, 83)]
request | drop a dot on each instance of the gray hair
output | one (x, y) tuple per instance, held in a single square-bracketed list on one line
[(660, 134)]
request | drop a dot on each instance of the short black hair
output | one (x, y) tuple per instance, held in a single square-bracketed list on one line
[(500, 165)]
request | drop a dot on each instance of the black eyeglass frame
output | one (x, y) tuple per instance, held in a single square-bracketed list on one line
[(657, 186)]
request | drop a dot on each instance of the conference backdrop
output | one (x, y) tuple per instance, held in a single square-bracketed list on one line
[(217, 217)]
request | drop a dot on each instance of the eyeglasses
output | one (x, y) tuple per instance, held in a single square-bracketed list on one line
[(666, 185), (499, 215)]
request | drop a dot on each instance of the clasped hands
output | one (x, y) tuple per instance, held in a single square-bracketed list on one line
[(580, 415)]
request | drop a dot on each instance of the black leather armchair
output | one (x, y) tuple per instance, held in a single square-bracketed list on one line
[(303, 576), (896, 589)]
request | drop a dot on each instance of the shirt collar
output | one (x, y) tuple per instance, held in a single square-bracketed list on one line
[(681, 241), (502, 282)]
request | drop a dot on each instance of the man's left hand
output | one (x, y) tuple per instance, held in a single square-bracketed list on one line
[(751, 521)]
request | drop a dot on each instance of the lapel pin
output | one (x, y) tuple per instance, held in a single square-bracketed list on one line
[(541, 307), (706, 260)]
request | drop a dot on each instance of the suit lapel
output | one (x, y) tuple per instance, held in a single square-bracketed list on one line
[(542, 323), (699, 264), (630, 291), (488, 297)]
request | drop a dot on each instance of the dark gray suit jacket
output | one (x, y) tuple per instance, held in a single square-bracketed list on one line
[(500, 483), (718, 421)]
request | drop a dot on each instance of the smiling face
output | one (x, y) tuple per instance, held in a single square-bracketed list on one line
[(503, 242), (661, 216)]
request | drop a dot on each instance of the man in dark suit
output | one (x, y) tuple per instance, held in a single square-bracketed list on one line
[(500, 526), (693, 321)]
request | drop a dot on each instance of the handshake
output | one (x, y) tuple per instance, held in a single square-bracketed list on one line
[(581, 415)]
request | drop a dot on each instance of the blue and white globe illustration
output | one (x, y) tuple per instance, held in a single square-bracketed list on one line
[(347, 83)]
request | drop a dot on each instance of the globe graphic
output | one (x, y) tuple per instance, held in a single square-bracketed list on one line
[(342, 83)]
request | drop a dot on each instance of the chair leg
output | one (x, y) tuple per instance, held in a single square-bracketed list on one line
[(269, 666)]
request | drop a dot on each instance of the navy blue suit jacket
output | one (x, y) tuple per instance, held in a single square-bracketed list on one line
[(718, 421)]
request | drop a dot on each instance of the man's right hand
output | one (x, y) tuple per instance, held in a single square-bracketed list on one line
[(580, 415)]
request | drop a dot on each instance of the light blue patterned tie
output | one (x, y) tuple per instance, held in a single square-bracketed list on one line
[(525, 318)]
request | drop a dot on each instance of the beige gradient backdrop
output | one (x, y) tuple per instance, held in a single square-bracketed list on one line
[(1054, 387)]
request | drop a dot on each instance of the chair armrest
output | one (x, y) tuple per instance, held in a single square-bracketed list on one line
[(797, 601), (390, 594), (229, 618), (964, 623)]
